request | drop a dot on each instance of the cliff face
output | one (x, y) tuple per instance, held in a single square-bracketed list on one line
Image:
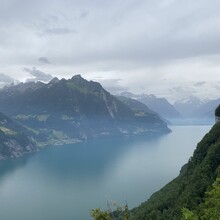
[(13, 141), (188, 189)]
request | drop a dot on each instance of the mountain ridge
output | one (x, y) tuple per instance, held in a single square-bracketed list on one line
[(74, 110), (159, 105)]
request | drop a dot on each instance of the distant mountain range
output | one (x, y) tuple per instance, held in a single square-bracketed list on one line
[(67, 111), (206, 111), (191, 110), (198, 111), (159, 105), (188, 105)]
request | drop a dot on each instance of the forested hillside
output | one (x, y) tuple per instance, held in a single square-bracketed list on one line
[(188, 189)]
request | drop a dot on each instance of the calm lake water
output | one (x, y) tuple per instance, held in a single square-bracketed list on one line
[(64, 183)]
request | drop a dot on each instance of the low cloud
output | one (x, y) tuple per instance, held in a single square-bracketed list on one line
[(199, 84), (38, 75), (112, 85), (6, 80)]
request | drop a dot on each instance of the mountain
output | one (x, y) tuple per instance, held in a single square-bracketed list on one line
[(134, 104), (197, 111), (67, 111), (188, 105), (158, 105), (139, 106), (14, 141), (188, 189), (206, 111), (161, 106)]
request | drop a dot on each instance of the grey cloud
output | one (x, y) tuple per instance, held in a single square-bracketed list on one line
[(117, 33), (112, 85), (57, 31), (44, 60), (38, 75), (148, 35), (83, 14), (199, 83), (6, 80)]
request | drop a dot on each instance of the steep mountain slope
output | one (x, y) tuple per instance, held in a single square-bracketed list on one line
[(161, 106), (65, 111), (188, 189), (138, 106), (158, 105), (14, 141), (134, 104)]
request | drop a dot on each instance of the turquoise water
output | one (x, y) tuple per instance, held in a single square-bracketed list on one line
[(64, 183)]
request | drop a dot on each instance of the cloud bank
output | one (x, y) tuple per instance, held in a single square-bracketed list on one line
[(143, 43), (6, 80)]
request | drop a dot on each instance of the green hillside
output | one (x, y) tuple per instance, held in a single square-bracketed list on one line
[(188, 189), (14, 141)]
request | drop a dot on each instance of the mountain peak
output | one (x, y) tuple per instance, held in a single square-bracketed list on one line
[(54, 80), (78, 77), (78, 109)]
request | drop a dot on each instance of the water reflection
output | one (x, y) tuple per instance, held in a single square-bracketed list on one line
[(89, 160), (12, 165), (66, 182)]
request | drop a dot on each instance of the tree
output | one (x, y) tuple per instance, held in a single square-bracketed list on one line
[(121, 213), (209, 209)]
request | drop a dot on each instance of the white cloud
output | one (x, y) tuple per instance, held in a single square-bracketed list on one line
[(151, 46)]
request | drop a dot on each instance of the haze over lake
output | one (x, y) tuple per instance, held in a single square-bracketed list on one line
[(66, 182)]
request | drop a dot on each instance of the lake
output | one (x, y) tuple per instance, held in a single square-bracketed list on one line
[(64, 183)]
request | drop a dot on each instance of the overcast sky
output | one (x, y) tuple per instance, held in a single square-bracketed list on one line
[(167, 47)]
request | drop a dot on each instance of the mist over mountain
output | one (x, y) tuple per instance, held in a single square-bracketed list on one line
[(197, 111), (135, 104), (158, 105), (188, 105), (66, 111), (206, 111), (6, 80), (188, 111)]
